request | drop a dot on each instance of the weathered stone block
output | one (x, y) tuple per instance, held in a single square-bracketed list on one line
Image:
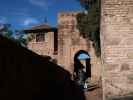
[(111, 67), (125, 67), (130, 77), (113, 41), (130, 55), (122, 98)]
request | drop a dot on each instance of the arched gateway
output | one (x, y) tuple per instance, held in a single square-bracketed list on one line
[(82, 61), (82, 66)]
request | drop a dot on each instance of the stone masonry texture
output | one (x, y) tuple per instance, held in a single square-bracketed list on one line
[(117, 48)]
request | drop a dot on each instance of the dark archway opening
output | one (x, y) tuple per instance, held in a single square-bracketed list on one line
[(82, 67)]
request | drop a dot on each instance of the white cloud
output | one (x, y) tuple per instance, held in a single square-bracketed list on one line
[(40, 3), (30, 21)]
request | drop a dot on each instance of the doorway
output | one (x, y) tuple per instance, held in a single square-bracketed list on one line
[(82, 66)]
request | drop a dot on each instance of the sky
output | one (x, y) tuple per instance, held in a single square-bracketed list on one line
[(23, 14)]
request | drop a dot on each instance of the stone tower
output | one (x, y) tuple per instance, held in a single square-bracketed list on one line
[(117, 47), (70, 42)]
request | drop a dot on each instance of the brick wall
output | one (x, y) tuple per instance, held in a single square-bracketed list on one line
[(117, 47), (45, 47)]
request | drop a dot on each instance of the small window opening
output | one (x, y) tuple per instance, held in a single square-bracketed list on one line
[(40, 37)]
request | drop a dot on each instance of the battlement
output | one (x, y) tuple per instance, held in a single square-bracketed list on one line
[(67, 18), (67, 14)]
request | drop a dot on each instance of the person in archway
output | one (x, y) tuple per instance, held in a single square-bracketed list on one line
[(82, 68), (80, 74)]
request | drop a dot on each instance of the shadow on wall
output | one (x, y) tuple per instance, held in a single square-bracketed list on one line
[(25, 75)]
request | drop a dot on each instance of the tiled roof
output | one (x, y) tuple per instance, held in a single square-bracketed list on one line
[(42, 26)]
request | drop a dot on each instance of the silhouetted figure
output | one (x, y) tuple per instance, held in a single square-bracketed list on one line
[(82, 72), (25, 75), (80, 76)]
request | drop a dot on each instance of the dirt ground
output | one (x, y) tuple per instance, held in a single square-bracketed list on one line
[(95, 94)]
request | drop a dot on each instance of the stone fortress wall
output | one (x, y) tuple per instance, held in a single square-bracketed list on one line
[(117, 47), (70, 42)]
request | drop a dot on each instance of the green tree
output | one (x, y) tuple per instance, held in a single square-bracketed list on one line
[(89, 22), (86, 4), (6, 31), (23, 38), (19, 37)]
